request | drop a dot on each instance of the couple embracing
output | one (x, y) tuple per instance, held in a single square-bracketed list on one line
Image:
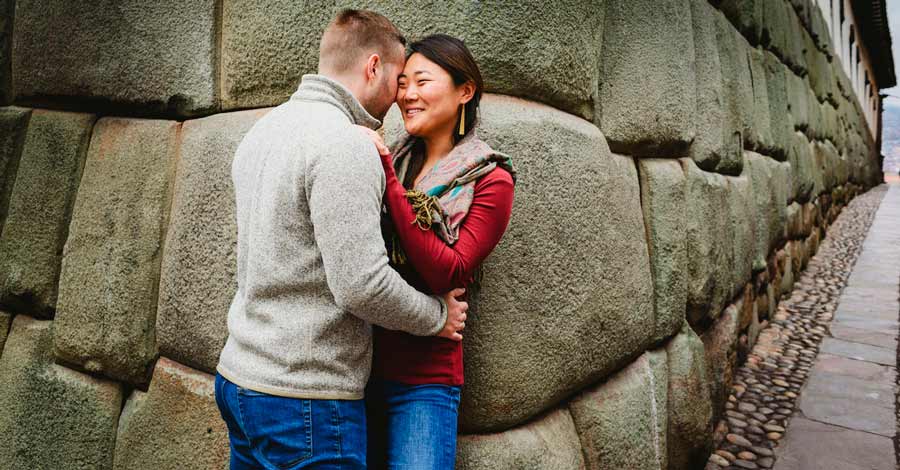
[(344, 348)]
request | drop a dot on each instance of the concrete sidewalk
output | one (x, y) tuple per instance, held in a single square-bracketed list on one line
[(846, 417)]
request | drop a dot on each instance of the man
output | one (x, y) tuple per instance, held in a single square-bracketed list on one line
[(313, 272)]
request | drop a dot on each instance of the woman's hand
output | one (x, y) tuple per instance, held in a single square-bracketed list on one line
[(383, 150)]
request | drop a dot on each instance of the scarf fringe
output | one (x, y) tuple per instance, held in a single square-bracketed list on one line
[(425, 208)]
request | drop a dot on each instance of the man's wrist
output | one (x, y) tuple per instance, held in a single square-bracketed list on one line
[(445, 312)]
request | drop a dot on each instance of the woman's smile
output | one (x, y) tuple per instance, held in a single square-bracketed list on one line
[(410, 112)]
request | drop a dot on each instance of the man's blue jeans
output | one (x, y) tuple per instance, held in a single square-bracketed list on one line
[(412, 427), (267, 432)]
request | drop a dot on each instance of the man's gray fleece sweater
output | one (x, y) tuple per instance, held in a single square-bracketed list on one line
[(312, 267)]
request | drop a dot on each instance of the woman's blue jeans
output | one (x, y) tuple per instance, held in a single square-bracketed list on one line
[(412, 427), (267, 432)]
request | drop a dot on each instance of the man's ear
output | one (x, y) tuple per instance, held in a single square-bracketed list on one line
[(468, 92), (373, 64)]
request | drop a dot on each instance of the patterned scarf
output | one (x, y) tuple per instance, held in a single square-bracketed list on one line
[(443, 197)]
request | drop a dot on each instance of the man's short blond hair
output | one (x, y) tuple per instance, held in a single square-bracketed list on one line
[(357, 33)]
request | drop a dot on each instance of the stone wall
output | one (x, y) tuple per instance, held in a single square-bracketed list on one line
[(678, 162)]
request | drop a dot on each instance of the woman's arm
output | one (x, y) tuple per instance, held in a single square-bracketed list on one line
[(442, 266)]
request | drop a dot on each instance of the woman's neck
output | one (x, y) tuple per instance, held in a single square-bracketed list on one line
[(437, 148)]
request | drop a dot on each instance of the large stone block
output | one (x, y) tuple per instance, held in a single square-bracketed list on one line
[(548, 442), (179, 403), (110, 267), (796, 249), (797, 96), (816, 128), (737, 85), (718, 142), (746, 306), (647, 79), (793, 228), (708, 259), (841, 170), (774, 25), (689, 407), (720, 349), (810, 215), (13, 127), (50, 416), (779, 113), (803, 8), (771, 183), (830, 123), (786, 271), (820, 74), (622, 421), (563, 46), (264, 73), (40, 205), (781, 33), (158, 55), (663, 205), (594, 325), (820, 32), (843, 128), (825, 157), (856, 119), (5, 322), (746, 16), (741, 233), (760, 135), (764, 308), (860, 159), (795, 56), (841, 82), (198, 275), (7, 8), (718, 207)]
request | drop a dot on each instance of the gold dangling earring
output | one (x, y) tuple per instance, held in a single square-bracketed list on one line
[(462, 121)]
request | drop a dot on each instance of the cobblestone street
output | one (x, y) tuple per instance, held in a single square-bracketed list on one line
[(818, 389)]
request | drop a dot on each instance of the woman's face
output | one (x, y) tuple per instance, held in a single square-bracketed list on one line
[(428, 98)]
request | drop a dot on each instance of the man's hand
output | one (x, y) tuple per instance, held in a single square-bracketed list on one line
[(377, 140), (456, 315)]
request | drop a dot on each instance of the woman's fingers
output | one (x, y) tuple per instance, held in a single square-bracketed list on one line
[(458, 292), (382, 149)]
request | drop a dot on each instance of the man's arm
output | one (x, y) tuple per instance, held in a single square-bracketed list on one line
[(344, 188)]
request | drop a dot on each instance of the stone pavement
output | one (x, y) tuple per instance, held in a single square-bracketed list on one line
[(846, 418)]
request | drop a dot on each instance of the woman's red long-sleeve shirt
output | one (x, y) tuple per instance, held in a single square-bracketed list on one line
[(435, 267)]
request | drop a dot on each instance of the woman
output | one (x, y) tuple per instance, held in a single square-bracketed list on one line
[(448, 200)]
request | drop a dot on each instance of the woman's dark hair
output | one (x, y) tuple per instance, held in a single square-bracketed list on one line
[(452, 55)]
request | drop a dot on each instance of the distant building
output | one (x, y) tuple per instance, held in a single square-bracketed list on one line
[(862, 43)]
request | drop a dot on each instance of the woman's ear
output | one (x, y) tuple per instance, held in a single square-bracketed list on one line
[(468, 92)]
